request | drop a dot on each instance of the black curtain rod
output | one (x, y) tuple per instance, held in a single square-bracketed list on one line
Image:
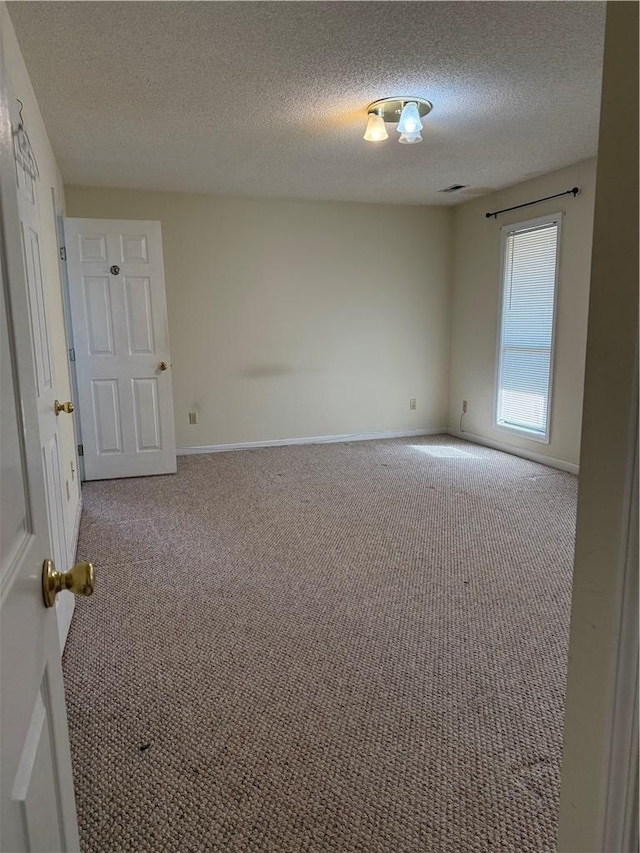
[(574, 192)]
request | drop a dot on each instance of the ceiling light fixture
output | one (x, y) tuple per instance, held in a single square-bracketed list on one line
[(410, 121), (376, 131), (410, 138), (406, 112)]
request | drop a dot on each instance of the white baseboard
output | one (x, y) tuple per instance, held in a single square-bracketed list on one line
[(317, 439), (551, 461), (65, 601)]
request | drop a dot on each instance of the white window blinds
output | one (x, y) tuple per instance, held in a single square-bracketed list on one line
[(526, 329)]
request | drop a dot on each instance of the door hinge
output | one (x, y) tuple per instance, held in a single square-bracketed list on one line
[(72, 354), (81, 450), (63, 253)]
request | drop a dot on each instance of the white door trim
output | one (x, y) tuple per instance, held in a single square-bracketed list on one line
[(66, 602), (598, 793), (621, 811)]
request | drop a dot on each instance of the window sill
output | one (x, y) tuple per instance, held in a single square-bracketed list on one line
[(522, 432)]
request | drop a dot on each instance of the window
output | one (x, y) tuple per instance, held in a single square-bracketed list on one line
[(525, 344)]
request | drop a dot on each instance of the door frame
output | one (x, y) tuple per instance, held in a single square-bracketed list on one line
[(598, 795), (65, 606), (66, 307), (621, 812)]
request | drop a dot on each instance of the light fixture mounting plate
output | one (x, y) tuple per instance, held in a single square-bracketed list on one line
[(390, 108)]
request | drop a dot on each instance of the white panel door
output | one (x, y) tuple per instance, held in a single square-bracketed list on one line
[(121, 338), (37, 799), (48, 420)]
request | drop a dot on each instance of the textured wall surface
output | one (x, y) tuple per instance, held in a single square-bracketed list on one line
[(290, 319), (475, 307)]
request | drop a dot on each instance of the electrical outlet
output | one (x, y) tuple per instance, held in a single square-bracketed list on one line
[(193, 418), (413, 404), (464, 407)]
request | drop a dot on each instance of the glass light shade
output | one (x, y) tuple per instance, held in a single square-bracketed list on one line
[(376, 130), (410, 121), (410, 138)]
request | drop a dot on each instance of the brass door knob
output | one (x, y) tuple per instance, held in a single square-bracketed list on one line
[(63, 407), (80, 580), (163, 365)]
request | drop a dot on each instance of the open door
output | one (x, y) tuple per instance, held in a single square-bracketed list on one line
[(50, 409), (121, 341), (37, 798)]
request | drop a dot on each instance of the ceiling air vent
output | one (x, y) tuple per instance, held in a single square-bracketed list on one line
[(454, 188)]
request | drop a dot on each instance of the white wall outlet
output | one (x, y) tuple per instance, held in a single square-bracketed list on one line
[(413, 404), (193, 418), (464, 407)]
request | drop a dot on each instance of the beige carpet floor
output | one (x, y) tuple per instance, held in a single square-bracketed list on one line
[(348, 648)]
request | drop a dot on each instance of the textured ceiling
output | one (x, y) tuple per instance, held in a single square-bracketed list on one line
[(270, 98)]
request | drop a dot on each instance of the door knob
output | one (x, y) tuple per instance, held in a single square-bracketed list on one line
[(80, 580), (63, 407), (163, 365)]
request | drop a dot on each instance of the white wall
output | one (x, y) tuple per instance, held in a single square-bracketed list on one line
[(475, 307), (50, 178), (291, 318), (600, 759)]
